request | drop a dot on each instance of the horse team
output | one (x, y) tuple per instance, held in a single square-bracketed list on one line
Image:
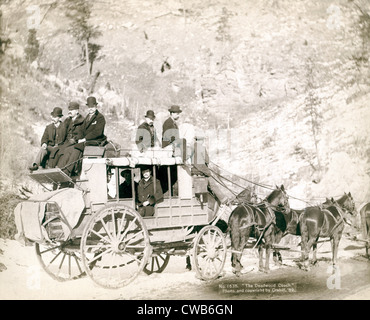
[(270, 220)]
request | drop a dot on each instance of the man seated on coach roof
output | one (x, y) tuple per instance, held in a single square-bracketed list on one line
[(170, 129), (53, 136), (91, 133), (148, 194), (72, 126), (146, 135)]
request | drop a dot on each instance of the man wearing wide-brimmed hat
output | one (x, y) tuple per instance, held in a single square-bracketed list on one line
[(146, 135), (54, 135), (170, 132)]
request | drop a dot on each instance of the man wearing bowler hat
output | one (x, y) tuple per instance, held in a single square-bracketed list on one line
[(149, 192), (146, 135), (90, 133), (72, 126), (54, 135), (170, 132)]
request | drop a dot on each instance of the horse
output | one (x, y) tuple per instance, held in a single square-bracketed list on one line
[(326, 220), (256, 220), (365, 222), (246, 195), (287, 226)]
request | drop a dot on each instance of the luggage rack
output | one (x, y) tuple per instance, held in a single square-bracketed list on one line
[(53, 176)]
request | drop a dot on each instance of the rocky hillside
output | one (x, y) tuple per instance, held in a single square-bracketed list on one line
[(280, 87)]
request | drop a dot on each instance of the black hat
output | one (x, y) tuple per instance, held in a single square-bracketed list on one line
[(73, 105), (175, 109), (91, 101), (150, 114), (57, 112), (145, 168)]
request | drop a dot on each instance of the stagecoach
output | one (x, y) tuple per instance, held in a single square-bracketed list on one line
[(84, 226)]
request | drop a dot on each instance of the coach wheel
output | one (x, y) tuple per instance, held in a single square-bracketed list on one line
[(59, 261), (115, 246), (157, 263), (209, 253)]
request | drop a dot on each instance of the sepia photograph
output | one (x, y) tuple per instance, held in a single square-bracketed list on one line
[(205, 152)]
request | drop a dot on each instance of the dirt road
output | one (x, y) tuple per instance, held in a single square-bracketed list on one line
[(23, 278)]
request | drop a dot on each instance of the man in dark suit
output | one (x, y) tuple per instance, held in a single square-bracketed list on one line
[(146, 135), (54, 135), (148, 193), (73, 127), (170, 132), (91, 133)]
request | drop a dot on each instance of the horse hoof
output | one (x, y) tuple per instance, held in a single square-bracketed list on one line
[(237, 272)]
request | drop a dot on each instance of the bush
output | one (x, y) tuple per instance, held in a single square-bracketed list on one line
[(8, 201), (32, 48)]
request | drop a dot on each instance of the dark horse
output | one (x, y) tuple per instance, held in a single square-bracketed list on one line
[(365, 222), (258, 221), (326, 221), (287, 223)]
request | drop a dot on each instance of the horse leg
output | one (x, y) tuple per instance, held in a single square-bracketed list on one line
[(260, 254), (188, 263), (314, 255), (276, 255), (334, 247), (267, 262), (238, 243)]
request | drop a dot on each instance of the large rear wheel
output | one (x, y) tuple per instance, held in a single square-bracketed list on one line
[(115, 246), (60, 261)]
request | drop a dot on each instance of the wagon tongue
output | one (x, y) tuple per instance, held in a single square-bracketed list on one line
[(50, 176)]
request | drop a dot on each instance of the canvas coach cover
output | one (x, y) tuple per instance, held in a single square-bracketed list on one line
[(30, 215)]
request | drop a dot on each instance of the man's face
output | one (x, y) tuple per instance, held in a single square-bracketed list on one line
[(91, 110), (72, 113), (146, 174), (55, 119), (149, 121), (175, 115)]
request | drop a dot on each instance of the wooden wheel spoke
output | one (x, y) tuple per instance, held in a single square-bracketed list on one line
[(49, 249), (100, 255), (100, 236), (209, 252), (128, 228), (77, 263), (120, 254), (106, 229)]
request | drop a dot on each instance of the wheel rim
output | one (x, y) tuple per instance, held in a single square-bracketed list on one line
[(209, 253), (115, 246), (157, 263), (60, 262)]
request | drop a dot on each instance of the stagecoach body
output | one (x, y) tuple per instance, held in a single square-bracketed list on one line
[(85, 226)]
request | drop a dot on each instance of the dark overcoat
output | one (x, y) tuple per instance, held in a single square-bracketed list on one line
[(170, 132), (145, 192), (143, 140), (53, 136), (74, 127), (92, 129)]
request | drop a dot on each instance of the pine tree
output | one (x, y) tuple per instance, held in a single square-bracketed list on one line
[(79, 11), (32, 48)]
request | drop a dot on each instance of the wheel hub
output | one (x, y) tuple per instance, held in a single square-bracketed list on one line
[(212, 253)]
